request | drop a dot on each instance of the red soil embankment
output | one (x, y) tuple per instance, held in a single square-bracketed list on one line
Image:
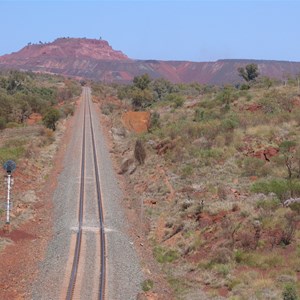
[(136, 121)]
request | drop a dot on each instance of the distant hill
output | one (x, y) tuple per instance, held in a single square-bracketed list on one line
[(95, 59)]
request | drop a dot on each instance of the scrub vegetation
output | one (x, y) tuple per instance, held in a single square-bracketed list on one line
[(220, 183), (27, 101)]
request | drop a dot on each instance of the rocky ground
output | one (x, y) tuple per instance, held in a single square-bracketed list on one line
[(209, 225), (31, 218)]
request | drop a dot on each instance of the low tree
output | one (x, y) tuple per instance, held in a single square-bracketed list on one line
[(51, 118), (287, 149), (267, 82), (249, 73), (141, 98), (142, 82), (139, 152), (161, 87)]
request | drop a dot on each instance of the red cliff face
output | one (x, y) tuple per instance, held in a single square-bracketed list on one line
[(95, 59), (64, 48)]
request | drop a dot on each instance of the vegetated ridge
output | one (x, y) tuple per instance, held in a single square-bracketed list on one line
[(97, 60), (215, 180)]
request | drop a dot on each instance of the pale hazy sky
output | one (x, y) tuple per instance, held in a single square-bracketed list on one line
[(167, 30)]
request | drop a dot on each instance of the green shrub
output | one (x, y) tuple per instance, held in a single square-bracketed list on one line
[(252, 166), (178, 102), (230, 123), (268, 204), (227, 95), (290, 292), (244, 87), (141, 98), (175, 99), (294, 186), (163, 255), (13, 125), (108, 108), (287, 146), (18, 142), (68, 110), (142, 82), (269, 105), (51, 118), (278, 186), (154, 120), (147, 285), (222, 269), (295, 207), (199, 115), (187, 171), (258, 260), (2, 123), (239, 256), (11, 153), (210, 156)]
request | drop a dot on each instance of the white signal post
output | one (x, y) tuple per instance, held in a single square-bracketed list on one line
[(9, 182), (9, 167)]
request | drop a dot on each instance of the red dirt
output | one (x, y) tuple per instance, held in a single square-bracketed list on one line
[(267, 153), (223, 292), (136, 121), (254, 107), (34, 118), (17, 235), (168, 184), (19, 260)]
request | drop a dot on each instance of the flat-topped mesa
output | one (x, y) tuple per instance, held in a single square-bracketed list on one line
[(97, 60), (69, 47)]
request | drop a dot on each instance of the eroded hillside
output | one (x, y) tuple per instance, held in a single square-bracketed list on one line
[(97, 60)]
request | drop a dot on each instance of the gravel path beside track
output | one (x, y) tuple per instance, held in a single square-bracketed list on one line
[(123, 271)]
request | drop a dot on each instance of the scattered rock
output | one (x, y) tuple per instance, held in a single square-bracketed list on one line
[(197, 187), (201, 142), (266, 154), (118, 133), (126, 164), (29, 197), (151, 143), (165, 145), (132, 168), (290, 201), (150, 202), (285, 278), (268, 293)]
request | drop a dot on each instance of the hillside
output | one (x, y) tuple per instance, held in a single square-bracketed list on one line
[(210, 190), (97, 60)]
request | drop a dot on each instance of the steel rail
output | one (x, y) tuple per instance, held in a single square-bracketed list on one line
[(101, 294), (80, 217), (71, 287)]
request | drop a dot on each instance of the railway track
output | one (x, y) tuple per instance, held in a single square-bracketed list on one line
[(88, 131)]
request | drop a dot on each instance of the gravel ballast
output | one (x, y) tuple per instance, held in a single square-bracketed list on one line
[(124, 276)]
